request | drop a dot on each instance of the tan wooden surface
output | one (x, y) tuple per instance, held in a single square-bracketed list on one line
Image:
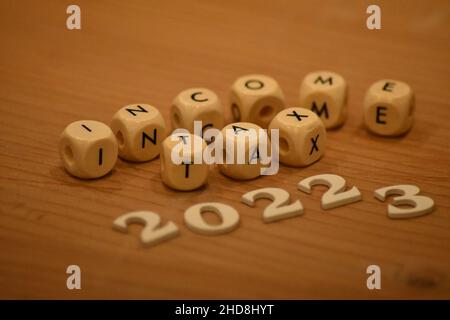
[(148, 51)]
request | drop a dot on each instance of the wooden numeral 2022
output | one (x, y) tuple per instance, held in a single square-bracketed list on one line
[(280, 208)]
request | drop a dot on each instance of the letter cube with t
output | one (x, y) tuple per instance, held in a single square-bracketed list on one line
[(302, 136), (139, 129), (325, 93), (246, 148), (256, 98), (88, 149), (197, 104), (182, 165), (389, 107)]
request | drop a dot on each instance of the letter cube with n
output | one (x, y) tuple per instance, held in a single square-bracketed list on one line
[(139, 129)]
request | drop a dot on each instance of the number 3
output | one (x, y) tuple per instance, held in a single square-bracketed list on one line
[(408, 195), (335, 196)]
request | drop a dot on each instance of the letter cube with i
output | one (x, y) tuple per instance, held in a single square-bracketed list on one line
[(302, 136), (389, 107), (139, 129), (197, 104), (256, 98), (325, 93), (88, 149), (182, 165), (244, 147)]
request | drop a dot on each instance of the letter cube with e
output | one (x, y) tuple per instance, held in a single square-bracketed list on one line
[(245, 145), (302, 136), (182, 165), (88, 149), (389, 107), (197, 104), (256, 98), (325, 93), (139, 129)]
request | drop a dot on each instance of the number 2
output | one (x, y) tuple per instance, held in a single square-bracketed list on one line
[(335, 196), (408, 195), (279, 208), (149, 235)]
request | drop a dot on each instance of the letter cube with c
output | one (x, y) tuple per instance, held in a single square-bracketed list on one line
[(197, 104)]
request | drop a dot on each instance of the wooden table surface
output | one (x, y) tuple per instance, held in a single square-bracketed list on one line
[(147, 52)]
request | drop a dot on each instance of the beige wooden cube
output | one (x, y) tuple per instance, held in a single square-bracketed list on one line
[(389, 107), (197, 104), (256, 98), (179, 154), (325, 93), (88, 149), (242, 150), (139, 129), (302, 136)]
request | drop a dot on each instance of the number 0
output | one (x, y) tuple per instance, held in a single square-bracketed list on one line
[(195, 222)]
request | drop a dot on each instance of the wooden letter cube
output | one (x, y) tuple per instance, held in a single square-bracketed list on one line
[(325, 93), (256, 98), (88, 149), (389, 107), (196, 104), (185, 174), (139, 129), (242, 150), (302, 136)]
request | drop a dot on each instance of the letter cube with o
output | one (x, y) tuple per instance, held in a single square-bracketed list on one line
[(256, 98), (389, 107)]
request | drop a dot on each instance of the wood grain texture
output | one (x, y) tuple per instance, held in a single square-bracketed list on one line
[(148, 51)]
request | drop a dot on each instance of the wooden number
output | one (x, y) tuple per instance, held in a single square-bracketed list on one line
[(150, 235), (279, 208), (195, 222), (408, 196), (335, 196)]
